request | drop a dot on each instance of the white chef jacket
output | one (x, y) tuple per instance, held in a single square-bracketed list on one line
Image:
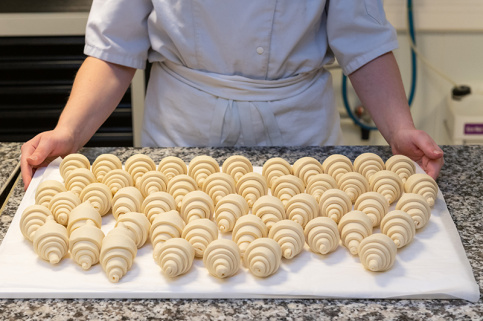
[(233, 72)]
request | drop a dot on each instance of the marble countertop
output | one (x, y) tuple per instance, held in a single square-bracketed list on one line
[(461, 182), (9, 158)]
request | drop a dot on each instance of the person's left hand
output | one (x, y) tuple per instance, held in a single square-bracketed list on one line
[(420, 147)]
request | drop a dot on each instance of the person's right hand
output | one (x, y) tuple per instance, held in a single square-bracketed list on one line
[(42, 149)]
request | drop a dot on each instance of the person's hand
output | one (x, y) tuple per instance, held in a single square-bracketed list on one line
[(420, 147), (42, 149)]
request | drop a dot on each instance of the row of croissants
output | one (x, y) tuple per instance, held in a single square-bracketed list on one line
[(182, 209)]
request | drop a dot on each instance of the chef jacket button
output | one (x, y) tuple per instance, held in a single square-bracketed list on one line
[(260, 50)]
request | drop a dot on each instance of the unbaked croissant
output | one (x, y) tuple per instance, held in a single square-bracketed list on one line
[(247, 229), (337, 165), (99, 195), (252, 186), (306, 167), (85, 245), (62, 204), (46, 190), (105, 163), (322, 235), (218, 185), (33, 217), (152, 182), (171, 166), (137, 165), (118, 251), (354, 184), (81, 214), (78, 179), (71, 162), (51, 241), (201, 167), (179, 186), (196, 205), (302, 208), (270, 209), (416, 206), (290, 236), (263, 257), (138, 226), (424, 185), (117, 179), (274, 168), (127, 199), (222, 258), (334, 203), (368, 164), (228, 210), (353, 228), (399, 226), (175, 257), (402, 165), (377, 252), (374, 205), (164, 227), (157, 203), (200, 233), (236, 166), (319, 183), (387, 183), (287, 186)]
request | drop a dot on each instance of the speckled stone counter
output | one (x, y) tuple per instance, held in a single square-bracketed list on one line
[(9, 159), (461, 182)]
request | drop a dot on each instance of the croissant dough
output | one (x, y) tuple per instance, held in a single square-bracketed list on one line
[(62, 204), (354, 184), (218, 185), (157, 203), (402, 165), (175, 257), (196, 205), (164, 227), (416, 206), (103, 164), (179, 186), (138, 226), (222, 258), (353, 228), (320, 183), (85, 245), (377, 252), (78, 179), (118, 251), (33, 217), (151, 182), (399, 226), (172, 166), (127, 199), (307, 167), (322, 235), (228, 210), (99, 195), (424, 185), (252, 186), (270, 209), (200, 233), (302, 208), (236, 166), (71, 162), (247, 229), (290, 236), (117, 179), (201, 167), (334, 203), (336, 165), (287, 186), (374, 205), (46, 190), (51, 241), (137, 165), (368, 164), (387, 183), (81, 214), (263, 257), (274, 168)]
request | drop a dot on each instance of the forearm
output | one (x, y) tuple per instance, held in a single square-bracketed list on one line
[(380, 89), (98, 88)]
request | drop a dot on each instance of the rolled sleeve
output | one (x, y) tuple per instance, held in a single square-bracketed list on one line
[(358, 32), (117, 32)]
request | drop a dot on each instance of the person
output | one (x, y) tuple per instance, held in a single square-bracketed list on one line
[(230, 73)]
